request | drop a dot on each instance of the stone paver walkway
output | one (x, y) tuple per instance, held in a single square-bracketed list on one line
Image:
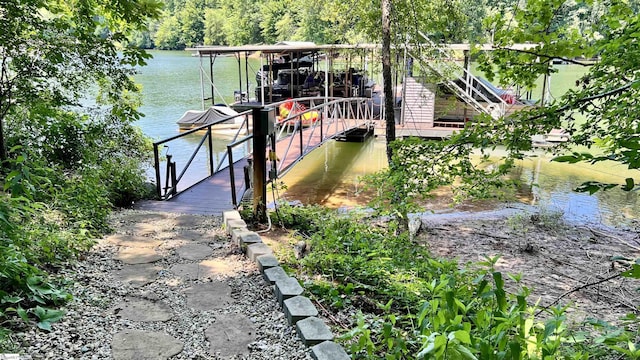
[(167, 286), (188, 258)]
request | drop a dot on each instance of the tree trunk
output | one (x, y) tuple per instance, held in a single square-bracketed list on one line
[(389, 96)]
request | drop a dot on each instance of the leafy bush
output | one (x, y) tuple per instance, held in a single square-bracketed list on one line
[(412, 305)]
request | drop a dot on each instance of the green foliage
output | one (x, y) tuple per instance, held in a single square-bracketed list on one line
[(420, 166), (412, 305), (68, 150), (601, 112)]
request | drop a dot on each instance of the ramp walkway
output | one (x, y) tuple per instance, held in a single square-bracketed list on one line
[(296, 136)]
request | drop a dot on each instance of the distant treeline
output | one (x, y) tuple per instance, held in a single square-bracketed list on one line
[(187, 23)]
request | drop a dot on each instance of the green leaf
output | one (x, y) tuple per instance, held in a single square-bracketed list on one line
[(629, 184), (634, 272), (44, 325), (23, 314), (463, 336), (633, 143)]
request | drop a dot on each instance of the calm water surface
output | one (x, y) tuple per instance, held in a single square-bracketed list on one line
[(329, 175)]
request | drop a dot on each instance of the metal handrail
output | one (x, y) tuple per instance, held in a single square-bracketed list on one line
[(502, 104), (232, 176), (171, 189), (334, 117), (336, 121)]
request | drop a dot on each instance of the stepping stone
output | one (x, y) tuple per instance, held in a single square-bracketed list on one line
[(138, 275), (144, 229), (230, 335), (218, 267), (142, 218), (186, 271), (313, 331), (247, 238), (189, 221), (266, 262), (274, 274), (255, 250), (287, 288), (298, 308), (194, 251), (133, 241), (230, 215), (209, 296), (196, 236), (138, 256), (329, 350), (144, 345), (188, 236), (143, 310)]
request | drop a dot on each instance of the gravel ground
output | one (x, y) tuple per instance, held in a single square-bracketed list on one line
[(87, 329)]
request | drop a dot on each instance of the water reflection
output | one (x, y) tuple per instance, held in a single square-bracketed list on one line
[(329, 176)]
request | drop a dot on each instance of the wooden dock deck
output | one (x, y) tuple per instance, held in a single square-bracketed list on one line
[(212, 195)]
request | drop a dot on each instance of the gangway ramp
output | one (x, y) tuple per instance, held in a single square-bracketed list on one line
[(223, 189)]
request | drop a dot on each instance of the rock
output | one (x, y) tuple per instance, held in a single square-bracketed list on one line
[(133, 241), (143, 310), (138, 256), (194, 251), (231, 335), (209, 296), (138, 275), (144, 345)]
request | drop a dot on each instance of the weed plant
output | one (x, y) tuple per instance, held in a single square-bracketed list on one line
[(408, 304)]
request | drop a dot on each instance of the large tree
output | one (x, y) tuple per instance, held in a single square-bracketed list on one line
[(52, 52)]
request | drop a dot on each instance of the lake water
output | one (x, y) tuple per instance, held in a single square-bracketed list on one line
[(329, 175)]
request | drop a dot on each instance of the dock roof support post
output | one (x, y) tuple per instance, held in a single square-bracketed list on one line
[(201, 81), (246, 72), (212, 59), (239, 75), (263, 79)]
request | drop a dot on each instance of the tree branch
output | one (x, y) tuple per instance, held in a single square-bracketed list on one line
[(577, 289), (548, 57), (587, 99)]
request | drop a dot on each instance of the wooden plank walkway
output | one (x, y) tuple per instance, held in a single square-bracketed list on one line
[(212, 195)]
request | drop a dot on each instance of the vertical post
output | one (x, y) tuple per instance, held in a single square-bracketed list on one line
[(246, 72), (174, 179), (467, 80), (239, 76), (210, 151), (213, 90), (259, 165), (156, 164), (232, 176), (201, 81), (263, 79)]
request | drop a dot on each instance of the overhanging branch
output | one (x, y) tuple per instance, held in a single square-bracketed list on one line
[(546, 56)]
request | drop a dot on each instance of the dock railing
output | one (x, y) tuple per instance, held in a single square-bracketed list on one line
[(299, 134), (169, 187), (295, 137), (473, 91)]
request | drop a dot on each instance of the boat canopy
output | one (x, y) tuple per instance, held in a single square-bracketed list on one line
[(194, 118)]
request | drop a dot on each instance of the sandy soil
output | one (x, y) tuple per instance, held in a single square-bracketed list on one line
[(555, 259)]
